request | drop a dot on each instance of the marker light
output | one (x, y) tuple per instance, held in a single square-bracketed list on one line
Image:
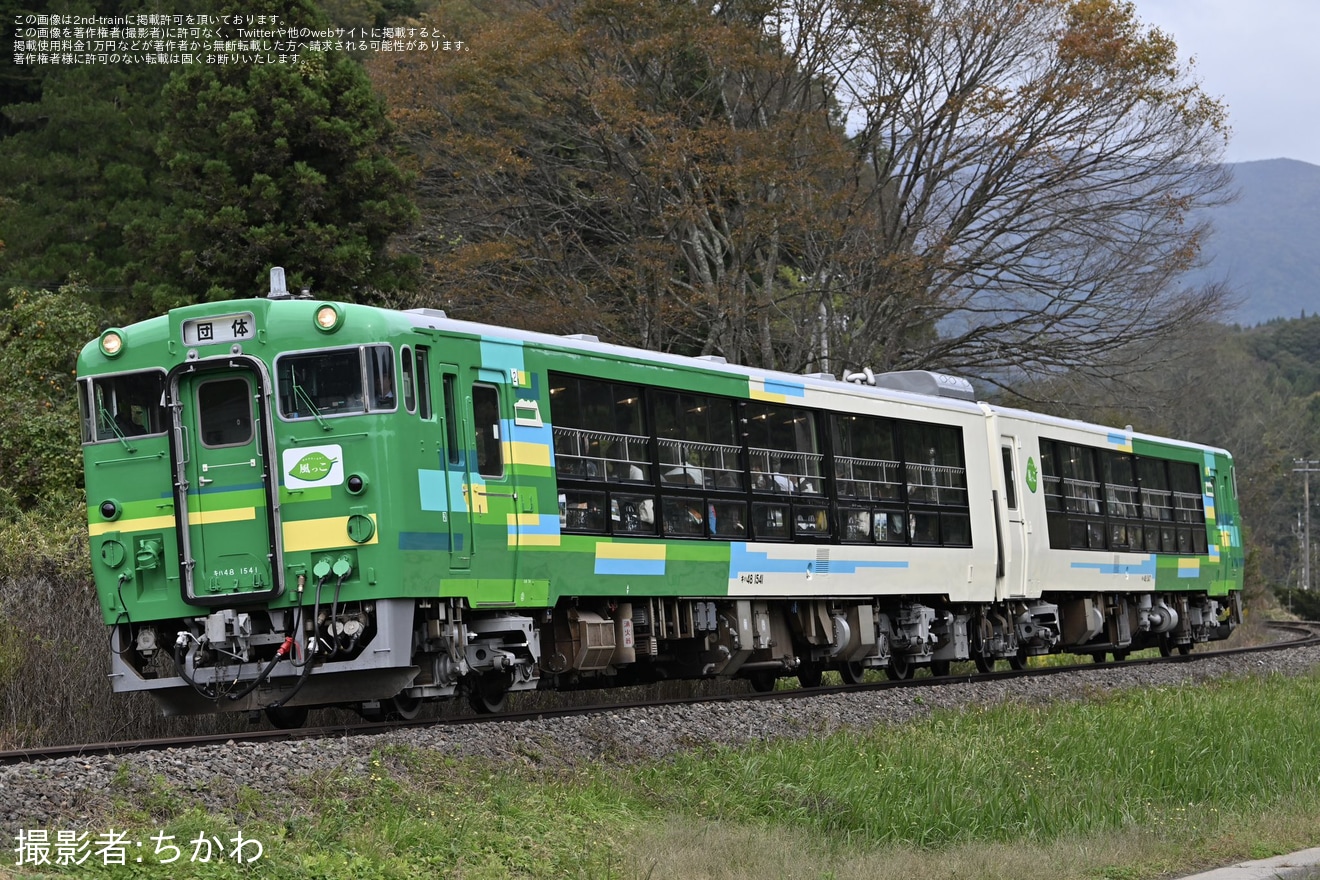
[(329, 317), (110, 509), (112, 343)]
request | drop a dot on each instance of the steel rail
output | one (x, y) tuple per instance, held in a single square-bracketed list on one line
[(1305, 634)]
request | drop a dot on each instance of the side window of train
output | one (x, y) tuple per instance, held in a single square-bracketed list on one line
[(1127, 502), (409, 388), (869, 479), (424, 386), (486, 425), (702, 481), (599, 431), (900, 482), (1189, 506), (602, 448), (787, 473), (1010, 478), (379, 363), (935, 474)]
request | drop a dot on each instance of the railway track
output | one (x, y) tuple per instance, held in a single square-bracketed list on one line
[(1293, 634)]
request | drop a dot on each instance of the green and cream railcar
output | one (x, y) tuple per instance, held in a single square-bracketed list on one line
[(296, 503)]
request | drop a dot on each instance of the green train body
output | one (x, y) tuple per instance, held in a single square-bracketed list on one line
[(297, 503)]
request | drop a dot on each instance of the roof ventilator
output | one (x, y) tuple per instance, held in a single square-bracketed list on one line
[(916, 382)]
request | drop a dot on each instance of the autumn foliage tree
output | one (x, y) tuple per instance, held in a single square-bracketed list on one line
[(957, 184), (636, 170), (1040, 160)]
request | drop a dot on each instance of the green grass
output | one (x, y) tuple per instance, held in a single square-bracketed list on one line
[(1116, 786), (1142, 759)]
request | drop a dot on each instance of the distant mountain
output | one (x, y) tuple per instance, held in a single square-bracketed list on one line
[(1266, 245)]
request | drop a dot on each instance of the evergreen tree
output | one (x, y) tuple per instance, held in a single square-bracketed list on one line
[(275, 164), (77, 168), (156, 185), (40, 336)]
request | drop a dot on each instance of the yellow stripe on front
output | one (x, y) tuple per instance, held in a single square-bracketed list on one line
[(131, 525), (321, 534), (210, 517)]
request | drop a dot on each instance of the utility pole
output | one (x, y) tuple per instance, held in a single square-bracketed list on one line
[(1306, 468)]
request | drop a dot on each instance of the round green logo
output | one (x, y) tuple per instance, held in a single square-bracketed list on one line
[(1031, 474)]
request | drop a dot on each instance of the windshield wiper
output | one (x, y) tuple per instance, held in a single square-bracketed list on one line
[(300, 394), (110, 420)]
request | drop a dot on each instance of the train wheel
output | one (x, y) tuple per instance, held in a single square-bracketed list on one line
[(489, 694), (763, 681), (285, 717), (939, 668), (1098, 657), (489, 703), (809, 675), (976, 631), (1167, 648), (404, 707), (900, 668), (851, 673), (1018, 661)]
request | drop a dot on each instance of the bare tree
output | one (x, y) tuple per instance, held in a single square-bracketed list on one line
[(1035, 164)]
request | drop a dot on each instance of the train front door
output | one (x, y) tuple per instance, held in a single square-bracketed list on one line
[(226, 506)]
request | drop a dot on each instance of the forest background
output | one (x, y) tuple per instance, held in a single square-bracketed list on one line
[(1014, 196)]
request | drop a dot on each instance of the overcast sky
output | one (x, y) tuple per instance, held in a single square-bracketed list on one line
[(1260, 58)]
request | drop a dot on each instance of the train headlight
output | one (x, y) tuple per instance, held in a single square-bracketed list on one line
[(329, 317), (110, 509), (356, 484), (112, 343)]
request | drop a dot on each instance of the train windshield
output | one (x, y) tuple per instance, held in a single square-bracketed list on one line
[(339, 382), (126, 405)]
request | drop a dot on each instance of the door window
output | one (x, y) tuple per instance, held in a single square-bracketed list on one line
[(486, 421), (224, 412), (1010, 485)]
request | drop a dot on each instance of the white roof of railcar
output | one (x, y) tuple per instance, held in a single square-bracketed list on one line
[(591, 345)]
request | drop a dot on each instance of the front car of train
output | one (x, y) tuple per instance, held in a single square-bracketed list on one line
[(238, 459)]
